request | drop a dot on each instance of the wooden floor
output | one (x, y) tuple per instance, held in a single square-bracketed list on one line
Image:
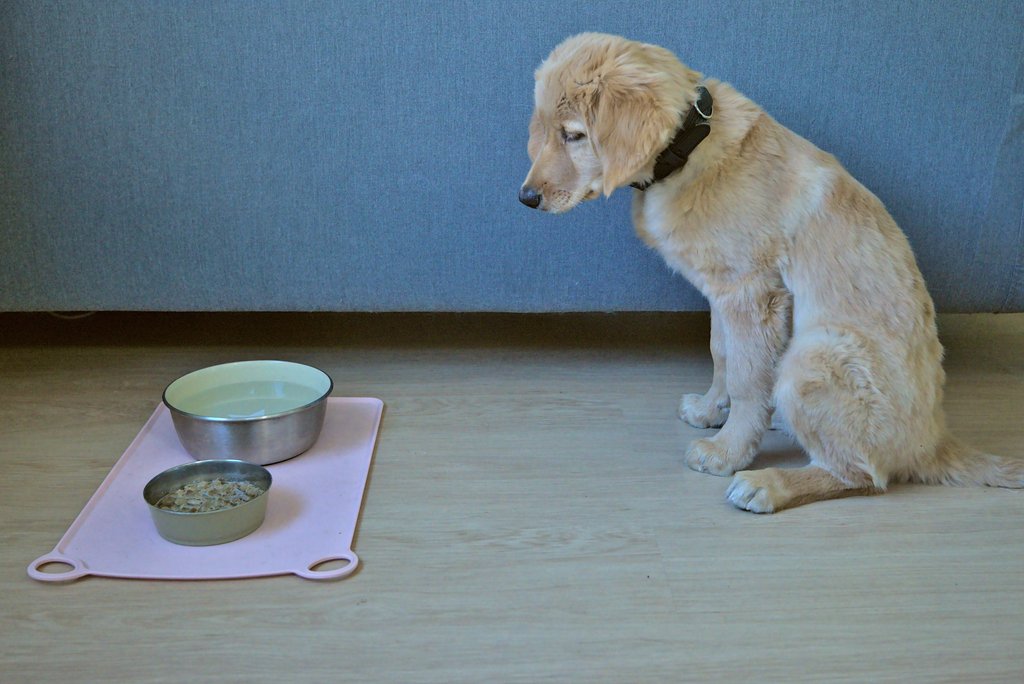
[(528, 517)]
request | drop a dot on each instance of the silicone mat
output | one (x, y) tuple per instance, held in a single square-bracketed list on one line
[(312, 510)]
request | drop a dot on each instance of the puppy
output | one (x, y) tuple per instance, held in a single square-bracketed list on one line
[(818, 309)]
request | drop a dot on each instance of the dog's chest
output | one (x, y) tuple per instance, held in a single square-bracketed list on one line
[(701, 245)]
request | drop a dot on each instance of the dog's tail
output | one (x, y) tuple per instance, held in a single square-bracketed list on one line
[(961, 465)]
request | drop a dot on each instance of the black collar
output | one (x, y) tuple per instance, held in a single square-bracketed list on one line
[(694, 129)]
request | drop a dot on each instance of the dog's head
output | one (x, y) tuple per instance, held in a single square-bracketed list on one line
[(604, 108)]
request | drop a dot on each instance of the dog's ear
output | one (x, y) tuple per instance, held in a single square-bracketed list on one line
[(628, 124)]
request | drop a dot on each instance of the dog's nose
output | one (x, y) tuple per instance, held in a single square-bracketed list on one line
[(529, 197)]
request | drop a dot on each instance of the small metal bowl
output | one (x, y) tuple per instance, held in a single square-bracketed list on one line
[(212, 527), (257, 411)]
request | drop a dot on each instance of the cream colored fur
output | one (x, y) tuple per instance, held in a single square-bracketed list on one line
[(818, 309)]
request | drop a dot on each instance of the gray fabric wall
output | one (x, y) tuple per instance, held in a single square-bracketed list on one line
[(367, 155)]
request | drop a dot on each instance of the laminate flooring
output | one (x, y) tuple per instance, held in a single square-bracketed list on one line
[(528, 516)]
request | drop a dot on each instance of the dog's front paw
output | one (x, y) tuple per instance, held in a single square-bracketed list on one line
[(757, 491), (709, 456), (701, 412)]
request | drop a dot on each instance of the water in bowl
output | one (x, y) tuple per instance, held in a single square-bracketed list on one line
[(249, 399)]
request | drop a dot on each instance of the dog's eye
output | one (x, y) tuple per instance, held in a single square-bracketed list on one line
[(573, 136)]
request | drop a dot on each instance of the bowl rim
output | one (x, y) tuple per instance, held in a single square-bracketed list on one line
[(193, 464), (252, 419)]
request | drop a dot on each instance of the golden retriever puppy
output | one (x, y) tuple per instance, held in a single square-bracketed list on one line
[(818, 309)]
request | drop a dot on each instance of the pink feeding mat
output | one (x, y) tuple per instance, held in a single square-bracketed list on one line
[(312, 510)]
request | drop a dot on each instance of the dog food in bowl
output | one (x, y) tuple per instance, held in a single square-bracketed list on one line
[(204, 496), (208, 502)]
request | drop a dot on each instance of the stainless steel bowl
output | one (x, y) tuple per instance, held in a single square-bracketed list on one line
[(257, 411), (212, 527)]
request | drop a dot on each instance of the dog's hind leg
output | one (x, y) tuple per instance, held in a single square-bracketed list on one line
[(772, 489), (828, 394)]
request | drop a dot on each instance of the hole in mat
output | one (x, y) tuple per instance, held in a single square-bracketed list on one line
[(330, 564), (55, 567)]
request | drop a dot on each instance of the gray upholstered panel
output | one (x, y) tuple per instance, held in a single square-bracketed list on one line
[(366, 155)]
